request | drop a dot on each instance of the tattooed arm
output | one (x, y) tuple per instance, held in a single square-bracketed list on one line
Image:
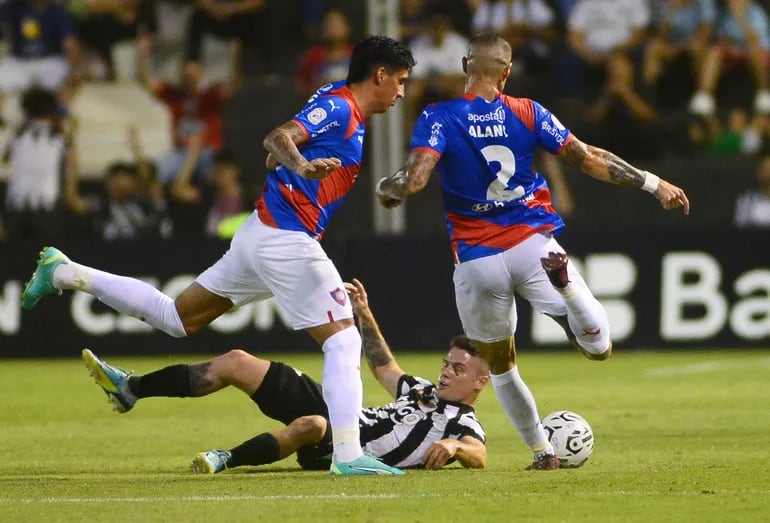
[(375, 348), (608, 167), (281, 145), (413, 177)]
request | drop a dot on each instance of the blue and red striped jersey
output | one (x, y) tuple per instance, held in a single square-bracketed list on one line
[(492, 197), (335, 128)]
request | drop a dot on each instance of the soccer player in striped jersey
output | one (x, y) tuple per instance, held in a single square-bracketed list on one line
[(426, 426), (502, 225), (313, 160)]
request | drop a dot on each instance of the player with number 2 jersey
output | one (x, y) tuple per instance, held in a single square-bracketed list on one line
[(502, 225), (499, 201)]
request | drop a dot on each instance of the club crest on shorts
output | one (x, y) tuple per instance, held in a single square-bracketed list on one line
[(339, 295)]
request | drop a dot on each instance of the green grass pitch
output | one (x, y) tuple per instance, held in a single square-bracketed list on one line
[(680, 436)]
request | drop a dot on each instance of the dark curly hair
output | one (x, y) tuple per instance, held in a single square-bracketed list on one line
[(378, 51)]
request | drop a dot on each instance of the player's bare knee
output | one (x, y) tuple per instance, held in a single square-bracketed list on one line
[(311, 428), (236, 356), (228, 363)]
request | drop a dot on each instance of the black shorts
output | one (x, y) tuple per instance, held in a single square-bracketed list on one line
[(287, 394)]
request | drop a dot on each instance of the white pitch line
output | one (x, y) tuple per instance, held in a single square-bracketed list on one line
[(343, 497), (185, 499), (706, 366)]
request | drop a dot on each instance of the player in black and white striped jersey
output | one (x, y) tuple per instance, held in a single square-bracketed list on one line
[(426, 426), (426, 421), (402, 432)]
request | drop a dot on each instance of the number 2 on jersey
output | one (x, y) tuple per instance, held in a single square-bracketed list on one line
[(497, 190)]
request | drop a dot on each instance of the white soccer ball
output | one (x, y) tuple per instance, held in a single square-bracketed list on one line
[(571, 437)]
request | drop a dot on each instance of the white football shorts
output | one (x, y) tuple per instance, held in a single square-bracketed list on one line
[(264, 261), (485, 287)]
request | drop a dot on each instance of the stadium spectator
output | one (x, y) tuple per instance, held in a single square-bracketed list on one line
[(527, 24), (676, 51), (127, 213), (459, 12), (188, 194), (239, 21), (104, 23), (436, 75), (752, 208), (43, 170), (147, 176), (311, 12), (276, 251), (603, 35), (44, 49), (562, 10), (739, 134), (553, 171), (199, 206), (329, 60), (502, 225), (621, 118), (229, 198), (743, 38), (447, 429), (414, 20), (195, 109)]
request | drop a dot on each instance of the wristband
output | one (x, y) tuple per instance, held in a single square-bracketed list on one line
[(651, 182), (400, 175), (378, 188)]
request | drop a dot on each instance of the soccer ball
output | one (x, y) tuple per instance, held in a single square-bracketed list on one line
[(571, 437)]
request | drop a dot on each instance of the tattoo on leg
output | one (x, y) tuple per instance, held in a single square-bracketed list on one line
[(199, 383)]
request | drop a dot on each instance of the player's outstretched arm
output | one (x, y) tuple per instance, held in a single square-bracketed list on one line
[(608, 167), (470, 452), (281, 145), (375, 348), (412, 178)]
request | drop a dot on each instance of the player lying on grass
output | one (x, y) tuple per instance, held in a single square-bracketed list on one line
[(427, 426)]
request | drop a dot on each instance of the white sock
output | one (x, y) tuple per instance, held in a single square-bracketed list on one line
[(344, 392), (587, 319), (519, 404), (128, 296)]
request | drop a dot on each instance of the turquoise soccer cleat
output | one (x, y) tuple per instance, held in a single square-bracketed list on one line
[(41, 283), (366, 465), (112, 380), (210, 461)]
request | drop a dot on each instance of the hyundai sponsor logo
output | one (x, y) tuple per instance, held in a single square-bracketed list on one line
[(481, 207)]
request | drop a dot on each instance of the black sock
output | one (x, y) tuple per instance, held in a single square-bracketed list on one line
[(259, 450), (173, 381)]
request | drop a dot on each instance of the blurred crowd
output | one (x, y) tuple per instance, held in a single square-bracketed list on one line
[(643, 78)]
